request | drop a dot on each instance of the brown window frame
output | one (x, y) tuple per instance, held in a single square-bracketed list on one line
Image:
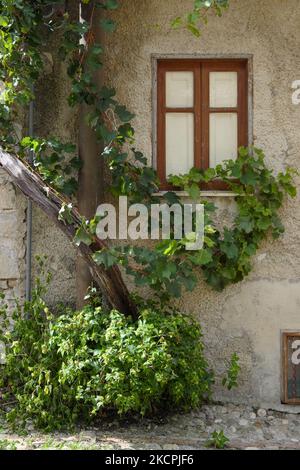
[(285, 365), (201, 109)]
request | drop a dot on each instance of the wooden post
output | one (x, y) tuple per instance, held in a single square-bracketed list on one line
[(90, 192)]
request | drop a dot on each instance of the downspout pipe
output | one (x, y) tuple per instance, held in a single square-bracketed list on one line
[(29, 215), (28, 268)]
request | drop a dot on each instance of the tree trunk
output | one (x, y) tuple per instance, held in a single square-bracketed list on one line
[(110, 281), (90, 191)]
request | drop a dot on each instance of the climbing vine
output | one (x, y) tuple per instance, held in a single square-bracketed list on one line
[(167, 267), (198, 17)]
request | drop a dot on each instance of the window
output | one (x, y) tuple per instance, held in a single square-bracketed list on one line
[(202, 114)]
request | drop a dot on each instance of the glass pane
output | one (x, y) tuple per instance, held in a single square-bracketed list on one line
[(179, 143), (223, 137), (179, 89), (223, 89)]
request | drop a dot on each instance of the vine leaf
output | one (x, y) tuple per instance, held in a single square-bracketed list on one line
[(202, 257), (108, 25), (82, 236)]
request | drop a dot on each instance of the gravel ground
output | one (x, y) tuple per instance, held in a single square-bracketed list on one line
[(245, 427)]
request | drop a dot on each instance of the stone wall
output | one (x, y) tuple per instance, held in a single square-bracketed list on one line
[(12, 240)]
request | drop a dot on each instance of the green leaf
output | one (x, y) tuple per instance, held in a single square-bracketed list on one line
[(111, 4), (189, 283), (245, 223), (176, 22), (82, 236), (168, 270), (263, 223), (229, 273), (123, 114), (215, 280), (65, 213), (249, 178), (194, 30), (202, 257), (230, 250), (209, 174), (194, 191), (108, 25), (251, 249), (4, 21), (106, 258)]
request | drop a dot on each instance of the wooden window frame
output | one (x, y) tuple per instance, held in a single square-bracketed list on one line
[(201, 109), (284, 348)]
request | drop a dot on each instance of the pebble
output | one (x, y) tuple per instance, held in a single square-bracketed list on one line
[(37, 443), (87, 436), (152, 446), (69, 438), (243, 422), (261, 413)]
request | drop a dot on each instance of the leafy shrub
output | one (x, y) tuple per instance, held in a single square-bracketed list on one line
[(76, 365)]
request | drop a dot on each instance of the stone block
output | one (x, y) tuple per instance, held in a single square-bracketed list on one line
[(9, 268), (9, 225), (7, 197)]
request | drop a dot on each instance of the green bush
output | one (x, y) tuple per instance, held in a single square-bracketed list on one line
[(71, 367)]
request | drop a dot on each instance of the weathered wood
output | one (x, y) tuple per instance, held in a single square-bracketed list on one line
[(90, 178), (110, 281)]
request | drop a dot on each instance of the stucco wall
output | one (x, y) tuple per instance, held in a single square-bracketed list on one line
[(54, 118), (248, 317)]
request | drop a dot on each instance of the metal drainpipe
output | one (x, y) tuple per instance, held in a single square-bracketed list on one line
[(29, 203), (29, 216)]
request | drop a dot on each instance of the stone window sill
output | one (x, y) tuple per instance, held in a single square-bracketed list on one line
[(203, 194)]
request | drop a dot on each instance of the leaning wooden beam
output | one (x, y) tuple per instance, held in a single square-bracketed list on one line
[(109, 281)]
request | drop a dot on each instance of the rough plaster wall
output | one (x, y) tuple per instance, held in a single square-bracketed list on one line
[(248, 317), (54, 118)]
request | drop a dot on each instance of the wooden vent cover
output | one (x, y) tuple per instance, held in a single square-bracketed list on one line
[(291, 368)]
